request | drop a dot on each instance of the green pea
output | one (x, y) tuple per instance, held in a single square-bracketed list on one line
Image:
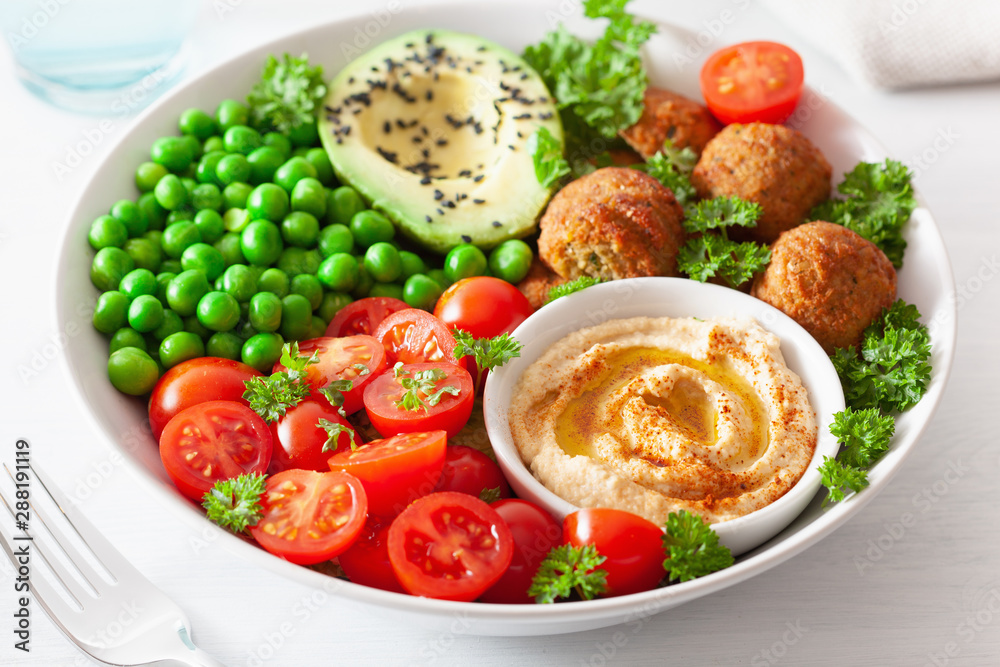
[(370, 227), (178, 237), (342, 204), (110, 312), (511, 260), (265, 311), (127, 212), (235, 220), (239, 282), (267, 201), (275, 281), (241, 139), (180, 346), (292, 171), (163, 279), (132, 371), (310, 287), (107, 232), (185, 290), (153, 215), (262, 351), (205, 171), (421, 291), (213, 144), (170, 192), (335, 238), (138, 282), (261, 242), (331, 304), (391, 290), (304, 134), (224, 344), (126, 337), (296, 317), (230, 113), (205, 258), (464, 261), (309, 195), (218, 311), (210, 225), (196, 123), (294, 261), (231, 248), (264, 161), (148, 174), (178, 215), (194, 147), (171, 265), (171, 152), (232, 168), (146, 253), (383, 263), (280, 142), (339, 272), (145, 313), (171, 324), (300, 229), (412, 264), (189, 186), (235, 196), (320, 161), (365, 282), (108, 267), (194, 325), (206, 196)]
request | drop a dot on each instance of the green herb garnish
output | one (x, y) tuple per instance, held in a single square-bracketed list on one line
[(421, 387), (287, 95), (672, 168), (692, 547), (567, 569), (565, 289), (546, 154), (271, 396), (333, 432), (711, 253), (487, 352), (235, 503)]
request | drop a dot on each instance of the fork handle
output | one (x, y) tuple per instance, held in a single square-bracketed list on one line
[(183, 653)]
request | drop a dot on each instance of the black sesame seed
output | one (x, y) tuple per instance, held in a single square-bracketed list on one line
[(522, 116), (418, 139), (429, 95), (466, 238), (350, 80), (449, 204), (400, 123), (387, 127), (511, 146), (465, 173), (426, 180), (428, 218), (478, 178), (438, 195), (441, 142), (481, 49), (423, 130), (440, 212), (496, 223), (478, 201), (388, 155)]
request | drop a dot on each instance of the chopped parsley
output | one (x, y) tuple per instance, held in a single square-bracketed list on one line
[(333, 431), (487, 352), (287, 95), (271, 396), (568, 569), (672, 168), (421, 387)]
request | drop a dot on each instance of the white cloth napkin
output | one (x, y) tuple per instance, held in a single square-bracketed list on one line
[(902, 43)]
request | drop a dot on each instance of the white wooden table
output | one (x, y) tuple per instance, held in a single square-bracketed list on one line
[(874, 593)]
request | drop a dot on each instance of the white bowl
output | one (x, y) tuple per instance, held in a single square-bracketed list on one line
[(668, 297), (926, 280)]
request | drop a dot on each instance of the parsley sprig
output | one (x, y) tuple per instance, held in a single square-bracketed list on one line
[(487, 352), (287, 95), (710, 253), (333, 432), (864, 436), (565, 289), (598, 87), (672, 168), (271, 396), (547, 156), (879, 201), (567, 569), (692, 547), (421, 387), (235, 503)]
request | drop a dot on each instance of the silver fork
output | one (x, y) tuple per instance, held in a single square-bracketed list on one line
[(119, 618)]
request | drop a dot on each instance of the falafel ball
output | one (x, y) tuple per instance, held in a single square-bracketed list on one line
[(830, 280), (537, 283), (773, 165), (612, 223), (667, 115)]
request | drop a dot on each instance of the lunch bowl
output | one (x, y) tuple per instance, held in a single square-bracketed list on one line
[(925, 280), (668, 297)]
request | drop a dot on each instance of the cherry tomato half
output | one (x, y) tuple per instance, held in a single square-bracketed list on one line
[(449, 546), (363, 316), (366, 562), (752, 81), (395, 471), (309, 516), (535, 532), (468, 470), (632, 546), (342, 359), (300, 440), (449, 413), (212, 441), (196, 381), (414, 336), (483, 305)]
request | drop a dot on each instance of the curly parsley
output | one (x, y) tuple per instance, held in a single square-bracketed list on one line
[(565, 289), (235, 503), (710, 253), (487, 352), (567, 569), (546, 154), (271, 396), (692, 548), (287, 95), (672, 168)]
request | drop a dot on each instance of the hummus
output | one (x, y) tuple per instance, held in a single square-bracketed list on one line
[(655, 415)]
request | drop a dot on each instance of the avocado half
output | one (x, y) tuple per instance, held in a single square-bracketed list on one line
[(431, 128)]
